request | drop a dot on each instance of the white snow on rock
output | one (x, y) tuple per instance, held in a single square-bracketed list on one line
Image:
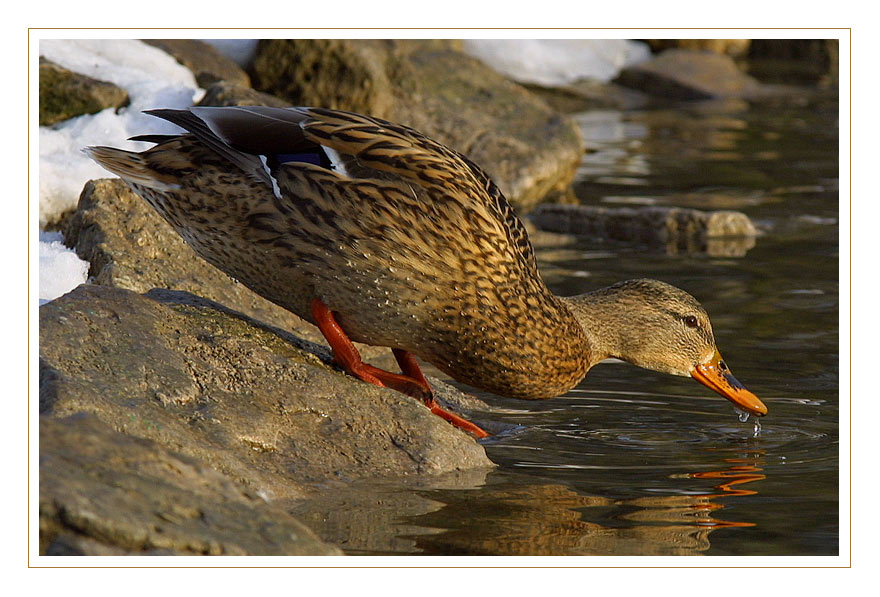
[(152, 78), (60, 269), (553, 62)]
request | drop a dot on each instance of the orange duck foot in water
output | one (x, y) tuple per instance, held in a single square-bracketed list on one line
[(411, 381)]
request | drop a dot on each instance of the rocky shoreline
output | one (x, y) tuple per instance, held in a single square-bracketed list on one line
[(180, 413), (153, 403)]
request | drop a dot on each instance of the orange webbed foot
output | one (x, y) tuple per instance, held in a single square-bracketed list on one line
[(411, 381)]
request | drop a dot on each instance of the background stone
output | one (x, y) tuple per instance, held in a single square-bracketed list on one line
[(65, 94)]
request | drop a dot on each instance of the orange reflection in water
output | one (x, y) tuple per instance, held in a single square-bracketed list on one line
[(742, 471)]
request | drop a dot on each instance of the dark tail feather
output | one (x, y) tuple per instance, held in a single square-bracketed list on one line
[(153, 138)]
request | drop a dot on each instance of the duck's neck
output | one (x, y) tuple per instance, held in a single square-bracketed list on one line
[(604, 316)]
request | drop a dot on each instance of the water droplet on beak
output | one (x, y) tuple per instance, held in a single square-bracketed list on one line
[(743, 416)]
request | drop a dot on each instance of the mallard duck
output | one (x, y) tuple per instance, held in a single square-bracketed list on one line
[(378, 234)]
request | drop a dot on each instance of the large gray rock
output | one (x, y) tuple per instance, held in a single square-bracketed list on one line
[(253, 402), (108, 493), (527, 148)]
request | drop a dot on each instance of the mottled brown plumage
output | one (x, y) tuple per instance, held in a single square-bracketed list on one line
[(406, 241)]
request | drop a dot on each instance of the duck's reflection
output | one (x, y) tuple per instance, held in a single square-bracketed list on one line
[(700, 509), (495, 514)]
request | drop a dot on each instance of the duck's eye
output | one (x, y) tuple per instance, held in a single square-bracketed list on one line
[(690, 321)]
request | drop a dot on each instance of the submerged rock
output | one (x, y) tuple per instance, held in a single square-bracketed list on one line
[(676, 229)]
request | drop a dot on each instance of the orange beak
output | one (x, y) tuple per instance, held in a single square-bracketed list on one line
[(717, 376)]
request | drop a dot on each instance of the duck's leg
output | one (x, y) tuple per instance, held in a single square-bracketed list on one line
[(348, 357), (410, 367), (412, 382)]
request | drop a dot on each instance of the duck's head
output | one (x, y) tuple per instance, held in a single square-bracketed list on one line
[(663, 328)]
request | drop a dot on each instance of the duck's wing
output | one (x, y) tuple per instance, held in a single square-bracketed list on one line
[(245, 135), (363, 142), (259, 139)]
